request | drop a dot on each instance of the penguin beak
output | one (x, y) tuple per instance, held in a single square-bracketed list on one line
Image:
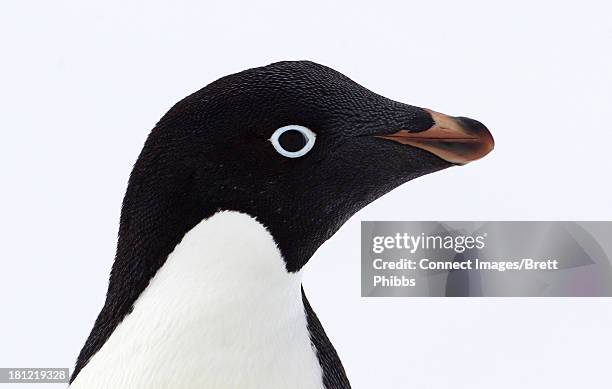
[(457, 140)]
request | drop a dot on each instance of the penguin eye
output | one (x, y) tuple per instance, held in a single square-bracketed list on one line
[(293, 141)]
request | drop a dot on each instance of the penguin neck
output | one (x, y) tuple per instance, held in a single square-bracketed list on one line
[(227, 267), (225, 271), (222, 302)]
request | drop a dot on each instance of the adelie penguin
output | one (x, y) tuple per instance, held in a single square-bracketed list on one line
[(234, 190)]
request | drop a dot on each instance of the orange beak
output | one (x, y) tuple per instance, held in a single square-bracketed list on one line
[(455, 139)]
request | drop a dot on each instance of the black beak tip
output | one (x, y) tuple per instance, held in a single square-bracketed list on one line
[(472, 126)]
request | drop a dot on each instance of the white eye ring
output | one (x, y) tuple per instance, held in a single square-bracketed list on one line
[(308, 135)]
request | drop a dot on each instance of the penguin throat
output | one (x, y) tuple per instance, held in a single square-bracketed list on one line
[(222, 311)]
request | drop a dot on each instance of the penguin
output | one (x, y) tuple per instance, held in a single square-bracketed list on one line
[(235, 188)]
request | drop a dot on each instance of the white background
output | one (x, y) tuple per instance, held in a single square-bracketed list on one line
[(82, 85)]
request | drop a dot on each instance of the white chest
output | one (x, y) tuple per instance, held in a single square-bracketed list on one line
[(222, 312)]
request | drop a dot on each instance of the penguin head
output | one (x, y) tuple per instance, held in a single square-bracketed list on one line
[(297, 145)]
